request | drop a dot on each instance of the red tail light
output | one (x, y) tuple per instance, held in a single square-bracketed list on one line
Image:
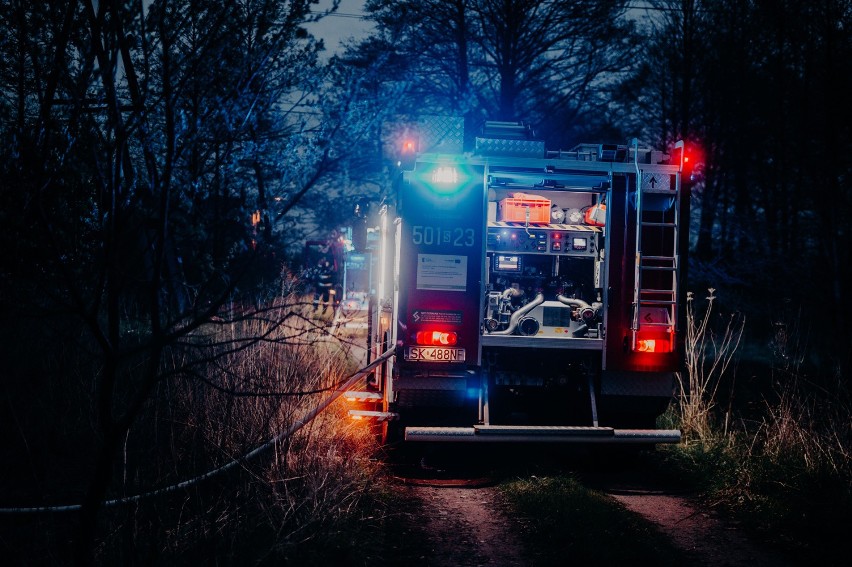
[(656, 344), (647, 345), (436, 338)]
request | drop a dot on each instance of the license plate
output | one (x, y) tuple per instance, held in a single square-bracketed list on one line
[(435, 354)]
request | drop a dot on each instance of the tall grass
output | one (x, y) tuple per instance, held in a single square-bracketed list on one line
[(308, 485), (808, 422), (802, 422), (226, 389), (783, 464)]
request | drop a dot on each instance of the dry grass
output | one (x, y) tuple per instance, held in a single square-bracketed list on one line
[(802, 422), (230, 387), (784, 468), (709, 352), (308, 483), (806, 424)]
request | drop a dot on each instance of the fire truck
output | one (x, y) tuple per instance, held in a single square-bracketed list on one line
[(527, 295)]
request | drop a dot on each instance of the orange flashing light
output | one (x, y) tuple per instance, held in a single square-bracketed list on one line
[(407, 155)]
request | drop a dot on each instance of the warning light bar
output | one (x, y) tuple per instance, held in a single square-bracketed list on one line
[(436, 338)]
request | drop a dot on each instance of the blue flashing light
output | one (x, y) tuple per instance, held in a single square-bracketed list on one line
[(444, 180), (445, 176)]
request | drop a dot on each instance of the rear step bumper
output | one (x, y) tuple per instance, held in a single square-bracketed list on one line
[(539, 434)]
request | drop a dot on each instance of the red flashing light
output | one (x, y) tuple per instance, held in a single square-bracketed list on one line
[(436, 338), (689, 157)]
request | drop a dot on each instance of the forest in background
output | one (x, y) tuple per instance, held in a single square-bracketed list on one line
[(163, 162), (225, 117), (757, 86)]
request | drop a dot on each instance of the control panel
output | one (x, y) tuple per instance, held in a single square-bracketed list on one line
[(570, 240)]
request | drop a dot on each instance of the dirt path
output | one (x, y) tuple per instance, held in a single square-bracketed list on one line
[(467, 527), (471, 527), (700, 533)]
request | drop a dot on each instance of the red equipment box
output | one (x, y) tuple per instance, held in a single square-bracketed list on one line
[(514, 209)]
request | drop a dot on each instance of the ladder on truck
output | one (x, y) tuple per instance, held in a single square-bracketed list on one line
[(656, 265)]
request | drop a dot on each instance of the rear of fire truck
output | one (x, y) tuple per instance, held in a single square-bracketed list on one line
[(529, 295)]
